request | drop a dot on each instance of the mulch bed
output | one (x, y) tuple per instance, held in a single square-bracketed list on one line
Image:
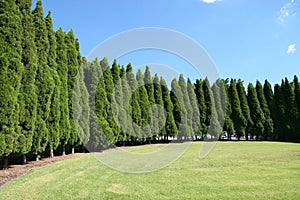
[(14, 171)]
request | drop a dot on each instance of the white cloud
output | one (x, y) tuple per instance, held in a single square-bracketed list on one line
[(291, 49), (210, 1), (287, 10)]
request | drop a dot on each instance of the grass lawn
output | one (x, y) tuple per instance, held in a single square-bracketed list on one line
[(233, 170)]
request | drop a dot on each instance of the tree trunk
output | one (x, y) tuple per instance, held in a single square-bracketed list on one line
[(37, 158), (51, 153), (73, 150), (63, 150), (24, 159), (5, 162)]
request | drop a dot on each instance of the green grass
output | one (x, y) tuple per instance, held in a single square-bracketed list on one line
[(233, 170)]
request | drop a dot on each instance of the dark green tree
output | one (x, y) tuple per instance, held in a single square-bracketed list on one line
[(297, 102), (54, 115), (44, 82), (62, 70), (237, 116), (256, 112), (27, 95), (195, 108), (170, 128), (208, 104), (10, 75), (268, 123), (244, 107), (202, 107)]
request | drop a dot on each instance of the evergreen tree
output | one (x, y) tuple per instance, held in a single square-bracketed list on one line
[(237, 116), (10, 75), (297, 103), (291, 111), (73, 66), (54, 115), (202, 107), (218, 109), (115, 71), (62, 70), (269, 96), (27, 96), (186, 103), (244, 107), (195, 108), (268, 123), (228, 124), (179, 111), (279, 117), (81, 108), (44, 82), (256, 112), (208, 104), (170, 128)]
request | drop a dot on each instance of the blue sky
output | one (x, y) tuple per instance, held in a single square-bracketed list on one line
[(247, 39)]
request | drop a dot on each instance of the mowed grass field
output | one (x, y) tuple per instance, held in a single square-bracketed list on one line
[(233, 170)]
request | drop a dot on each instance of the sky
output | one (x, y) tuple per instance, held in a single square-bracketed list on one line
[(247, 39)]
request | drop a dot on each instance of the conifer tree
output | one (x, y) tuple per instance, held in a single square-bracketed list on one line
[(73, 66), (10, 76), (186, 103), (268, 123), (44, 82), (208, 104), (244, 107), (202, 107), (256, 112), (62, 70), (27, 95), (195, 108), (54, 115), (279, 117), (297, 103), (170, 128), (228, 124), (160, 112), (237, 116), (269, 96)]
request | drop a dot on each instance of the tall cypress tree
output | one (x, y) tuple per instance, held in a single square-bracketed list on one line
[(170, 128), (228, 124), (73, 66), (269, 96), (195, 108), (208, 104), (62, 70), (160, 118), (202, 107), (291, 110), (279, 117), (297, 103), (244, 107), (44, 82), (237, 116), (27, 96), (268, 123), (54, 115), (218, 110), (186, 103), (256, 112), (10, 75)]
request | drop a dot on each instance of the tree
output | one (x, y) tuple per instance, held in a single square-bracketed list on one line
[(279, 117), (186, 103), (202, 107), (228, 124), (244, 107), (269, 96), (170, 128), (268, 123), (195, 108), (44, 82), (62, 70), (54, 115), (73, 66), (10, 75), (256, 112), (27, 97), (208, 104), (297, 102), (237, 117)]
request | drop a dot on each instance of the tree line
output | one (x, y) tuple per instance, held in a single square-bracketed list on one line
[(52, 97)]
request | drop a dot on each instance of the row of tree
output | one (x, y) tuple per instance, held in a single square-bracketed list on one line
[(48, 101)]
